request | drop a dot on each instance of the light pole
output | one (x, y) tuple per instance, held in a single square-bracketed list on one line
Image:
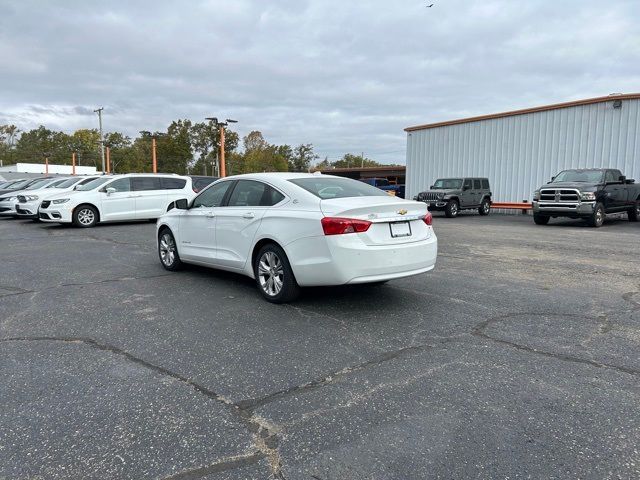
[(154, 146), (99, 112), (223, 167)]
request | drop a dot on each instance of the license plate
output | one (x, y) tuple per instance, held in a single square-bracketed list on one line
[(400, 229)]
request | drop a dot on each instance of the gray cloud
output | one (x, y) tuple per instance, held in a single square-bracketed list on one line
[(346, 76)]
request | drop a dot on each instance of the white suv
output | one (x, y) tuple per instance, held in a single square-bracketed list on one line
[(117, 198), (28, 202)]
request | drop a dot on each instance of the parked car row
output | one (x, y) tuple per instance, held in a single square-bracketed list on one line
[(285, 230), (588, 194)]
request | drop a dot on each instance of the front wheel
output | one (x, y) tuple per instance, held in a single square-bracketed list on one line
[(274, 276), (85, 216), (452, 209), (485, 207), (597, 217), (634, 213), (541, 219), (168, 252)]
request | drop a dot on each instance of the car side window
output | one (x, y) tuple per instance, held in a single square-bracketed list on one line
[(249, 193), (121, 185), (172, 183), (477, 184), (212, 196), (485, 184), (467, 183), (145, 183)]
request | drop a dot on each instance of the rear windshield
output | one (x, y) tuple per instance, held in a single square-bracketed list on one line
[(326, 187), (448, 183)]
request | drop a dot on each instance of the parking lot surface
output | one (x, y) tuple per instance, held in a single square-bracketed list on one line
[(516, 357)]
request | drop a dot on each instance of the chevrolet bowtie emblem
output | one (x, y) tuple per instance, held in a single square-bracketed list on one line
[(402, 212)]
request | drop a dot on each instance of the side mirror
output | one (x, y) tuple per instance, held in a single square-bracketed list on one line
[(182, 204), (110, 190), (430, 187), (629, 181)]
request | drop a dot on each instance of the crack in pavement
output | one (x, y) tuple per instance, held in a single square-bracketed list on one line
[(252, 404), (479, 331), (265, 437), (230, 463)]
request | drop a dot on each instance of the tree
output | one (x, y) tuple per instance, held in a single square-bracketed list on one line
[(350, 160), (302, 158)]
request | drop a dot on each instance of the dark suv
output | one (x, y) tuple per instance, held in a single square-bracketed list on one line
[(454, 194)]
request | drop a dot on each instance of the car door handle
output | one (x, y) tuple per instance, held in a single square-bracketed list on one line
[(248, 215)]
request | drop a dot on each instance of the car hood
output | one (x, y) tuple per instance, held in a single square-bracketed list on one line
[(445, 191), (576, 185), (65, 194)]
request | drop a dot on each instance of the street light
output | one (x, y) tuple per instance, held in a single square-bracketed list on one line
[(221, 125)]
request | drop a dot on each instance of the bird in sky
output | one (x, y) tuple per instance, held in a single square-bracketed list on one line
[(429, 6)]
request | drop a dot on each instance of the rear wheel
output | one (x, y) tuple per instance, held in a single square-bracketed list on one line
[(85, 216), (541, 219), (452, 209), (597, 217), (634, 213), (274, 276), (168, 252), (485, 207)]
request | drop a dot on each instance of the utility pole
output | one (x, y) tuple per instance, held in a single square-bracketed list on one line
[(361, 159), (99, 112), (73, 163), (154, 156), (221, 125)]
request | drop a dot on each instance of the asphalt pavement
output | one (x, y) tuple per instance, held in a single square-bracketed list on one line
[(517, 357)]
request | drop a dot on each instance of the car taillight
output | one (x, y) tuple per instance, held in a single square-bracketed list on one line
[(340, 226), (428, 218)]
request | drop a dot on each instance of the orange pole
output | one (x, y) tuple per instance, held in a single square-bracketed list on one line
[(223, 167), (153, 155), (73, 163), (46, 165), (108, 152)]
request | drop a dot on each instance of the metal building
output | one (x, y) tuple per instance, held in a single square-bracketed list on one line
[(521, 150)]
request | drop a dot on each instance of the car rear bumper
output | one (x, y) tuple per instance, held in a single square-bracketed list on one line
[(346, 259)]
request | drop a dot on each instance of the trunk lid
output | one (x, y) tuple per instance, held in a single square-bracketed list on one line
[(394, 221)]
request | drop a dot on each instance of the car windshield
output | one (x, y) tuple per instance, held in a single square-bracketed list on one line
[(448, 184), (39, 184), (55, 184), (19, 185), (93, 184), (327, 187), (586, 176), (66, 183)]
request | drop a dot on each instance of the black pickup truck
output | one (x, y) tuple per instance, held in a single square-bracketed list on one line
[(589, 194)]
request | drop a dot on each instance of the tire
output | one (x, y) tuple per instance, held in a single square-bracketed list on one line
[(634, 213), (274, 276), (541, 219), (168, 251), (452, 209), (85, 216), (597, 217), (485, 207)]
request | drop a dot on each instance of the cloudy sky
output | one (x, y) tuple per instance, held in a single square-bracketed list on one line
[(347, 76)]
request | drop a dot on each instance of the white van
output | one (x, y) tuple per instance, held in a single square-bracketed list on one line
[(115, 198), (28, 202)]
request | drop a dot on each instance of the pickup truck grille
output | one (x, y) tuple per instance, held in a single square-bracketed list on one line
[(559, 198), (559, 195), (45, 204), (428, 196)]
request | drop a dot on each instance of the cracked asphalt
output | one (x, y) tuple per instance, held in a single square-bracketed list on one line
[(516, 358)]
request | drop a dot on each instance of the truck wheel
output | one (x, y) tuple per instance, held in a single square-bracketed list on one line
[(597, 217), (485, 207), (634, 213), (541, 219), (452, 209)]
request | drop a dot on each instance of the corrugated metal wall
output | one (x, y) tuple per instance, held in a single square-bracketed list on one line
[(520, 153)]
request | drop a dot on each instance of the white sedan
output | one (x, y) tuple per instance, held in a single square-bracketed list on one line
[(292, 230)]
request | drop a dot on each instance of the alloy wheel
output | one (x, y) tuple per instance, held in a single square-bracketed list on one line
[(167, 249), (86, 216), (270, 273)]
